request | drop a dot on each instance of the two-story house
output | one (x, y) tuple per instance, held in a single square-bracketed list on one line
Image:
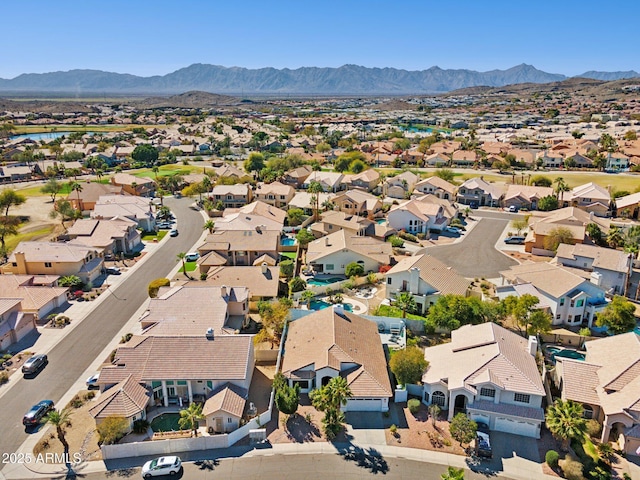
[(426, 278), (239, 248), (417, 216), (126, 206), (590, 197), (138, 186), (489, 373), (617, 161), (401, 185), (15, 324), (525, 196), (478, 192), (232, 196), (357, 202), (367, 180), (297, 176), (115, 235), (330, 181), (276, 194), (438, 187), (610, 269), (256, 215)]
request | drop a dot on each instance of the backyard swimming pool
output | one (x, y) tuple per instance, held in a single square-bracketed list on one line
[(324, 281), (565, 353), (167, 422), (321, 305), (288, 241)]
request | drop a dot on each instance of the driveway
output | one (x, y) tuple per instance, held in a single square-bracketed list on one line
[(366, 428), (475, 256), (510, 452)]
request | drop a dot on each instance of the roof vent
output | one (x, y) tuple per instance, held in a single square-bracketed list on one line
[(210, 335)]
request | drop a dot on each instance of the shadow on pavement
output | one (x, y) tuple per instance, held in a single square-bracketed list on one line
[(369, 458)]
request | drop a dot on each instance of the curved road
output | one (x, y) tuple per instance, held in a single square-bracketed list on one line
[(75, 352)]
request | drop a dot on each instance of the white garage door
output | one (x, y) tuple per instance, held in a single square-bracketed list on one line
[(509, 425), (364, 405), (478, 417)]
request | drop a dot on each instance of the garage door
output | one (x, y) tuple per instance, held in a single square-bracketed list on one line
[(478, 417), (364, 405), (510, 425)]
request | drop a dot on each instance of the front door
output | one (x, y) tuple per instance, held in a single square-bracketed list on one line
[(219, 425)]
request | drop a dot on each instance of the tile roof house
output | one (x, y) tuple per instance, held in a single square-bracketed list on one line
[(331, 254), (297, 176), (426, 278), (303, 201), (357, 202), (607, 384), (489, 373), (51, 258), (463, 157), (276, 194), (367, 180), (330, 181), (610, 269), (332, 221), (90, 193), (591, 198), (239, 248), (15, 323), (400, 185), (331, 343), (224, 408), (263, 281), (569, 298), (479, 192), (436, 186), (419, 215), (628, 206), (115, 235), (126, 206), (138, 186), (436, 160), (232, 196), (39, 293), (256, 215), (127, 399), (525, 196)]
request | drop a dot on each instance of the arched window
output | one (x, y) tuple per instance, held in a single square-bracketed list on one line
[(438, 398), (587, 411)]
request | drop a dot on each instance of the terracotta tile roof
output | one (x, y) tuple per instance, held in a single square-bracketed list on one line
[(328, 339), (68, 252), (493, 190), (33, 296), (341, 240), (228, 398), (92, 191), (437, 182), (275, 188), (243, 240), (259, 284), (125, 399), (441, 277), (126, 179), (528, 192), (552, 279)]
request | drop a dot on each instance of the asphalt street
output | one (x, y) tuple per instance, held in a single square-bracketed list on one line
[(475, 256), (73, 355)]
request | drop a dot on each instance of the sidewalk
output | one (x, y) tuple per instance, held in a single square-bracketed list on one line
[(514, 468)]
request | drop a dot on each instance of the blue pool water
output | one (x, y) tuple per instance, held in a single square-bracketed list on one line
[(565, 353), (36, 137), (636, 330), (324, 281), (381, 221), (288, 241), (321, 305)]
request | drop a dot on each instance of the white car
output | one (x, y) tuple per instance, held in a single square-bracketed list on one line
[(454, 230), (192, 256), (92, 381), (161, 466)]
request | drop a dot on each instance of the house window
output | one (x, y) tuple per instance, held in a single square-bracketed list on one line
[(562, 301), (388, 280), (521, 397), (587, 411), (558, 317), (437, 398), (330, 266), (229, 419), (426, 397), (580, 302), (572, 304), (47, 264), (487, 392), (14, 264)]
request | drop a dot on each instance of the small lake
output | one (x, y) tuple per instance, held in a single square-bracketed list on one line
[(37, 137)]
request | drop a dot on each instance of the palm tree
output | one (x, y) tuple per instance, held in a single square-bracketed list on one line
[(181, 256), (315, 188), (209, 225), (76, 187), (60, 420), (405, 301), (453, 473), (615, 237), (561, 187), (329, 399), (307, 296), (155, 170), (189, 417), (565, 421)]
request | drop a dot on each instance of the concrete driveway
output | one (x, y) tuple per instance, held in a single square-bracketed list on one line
[(510, 453), (366, 428)]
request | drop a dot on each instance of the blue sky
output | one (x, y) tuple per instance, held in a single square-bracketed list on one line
[(156, 37)]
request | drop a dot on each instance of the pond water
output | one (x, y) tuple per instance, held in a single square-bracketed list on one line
[(36, 137), (167, 422)]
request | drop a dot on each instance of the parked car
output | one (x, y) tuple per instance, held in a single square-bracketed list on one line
[(514, 240), (92, 381), (173, 233), (483, 442), (512, 209), (473, 205), (164, 225), (113, 270), (192, 256), (161, 466), (35, 415), (454, 230), (34, 364)]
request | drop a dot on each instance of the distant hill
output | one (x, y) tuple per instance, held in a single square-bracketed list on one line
[(193, 99), (610, 76), (345, 80)]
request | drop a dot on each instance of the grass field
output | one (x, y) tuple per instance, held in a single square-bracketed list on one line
[(22, 129), (166, 170), (389, 311), (150, 237), (42, 233), (191, 266), (291, 255)]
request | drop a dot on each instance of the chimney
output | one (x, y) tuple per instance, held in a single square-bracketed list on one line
[(258, 227), (338, 309), (223, 290), (414, 280), (326, 242), (210, 335), (263, 267), (21, 261), (533, 345), (591, 215)]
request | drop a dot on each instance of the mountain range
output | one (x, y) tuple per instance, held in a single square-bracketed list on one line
[(345, 80)]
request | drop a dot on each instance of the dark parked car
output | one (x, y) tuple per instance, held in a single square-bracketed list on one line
[(483, 442), (514, 240), (37, 413), (34, 364), (173, 233), (473, 205)]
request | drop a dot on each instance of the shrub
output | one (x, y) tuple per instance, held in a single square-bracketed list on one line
[(414, 405), (89, 395), (4, 378), (354, 270), (112, 356), (155, 285), (112, 429), (286, 268), (396, 242), (408, 236), (551, 458), (126, 338), (372, 278), (297, 284), (384, 268), (76, 401), (393, 429), (571, 468), (140, 426), (203, 276), (593, 428)]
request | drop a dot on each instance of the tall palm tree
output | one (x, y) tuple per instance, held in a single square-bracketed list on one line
[(615, 237), (209, 225), (189, 417), (76, 187), (181, 256), (565, 422), (328, 399), (453, 473), (59, 419), (561, 187), (405, 301), (315, 188)]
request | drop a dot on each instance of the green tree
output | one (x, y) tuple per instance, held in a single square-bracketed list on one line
[(72, 281), (155, 285), (462, 428), (52, 187), (445, 174), (607, 143), (561, 187), (354, 269), (190, 416), (519, 225), (328, 399), (146, 154), (557, 236), (254, 163), (315, 189), (540, 181), (450, 311), (408, 365), (112, 429), (273, 318), (295, 216), (615, 237), (60, 419), (357, 166), (10, 198), (182, 257), (76, 187), (618, 316), (286, 268), (304, 236), (595, 233), (548, 203), (288, 398), (539, 322), (307, 296), (209, 225), (631, 135), (520, 308), (65, 211), (565, 422), (296, 284), (453, 473), (405, 302)]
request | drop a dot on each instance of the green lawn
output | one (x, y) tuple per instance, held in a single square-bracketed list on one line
[(389, 311), (150, 236), (13, 241), (191, 266), (166, 170), (291, 255)]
